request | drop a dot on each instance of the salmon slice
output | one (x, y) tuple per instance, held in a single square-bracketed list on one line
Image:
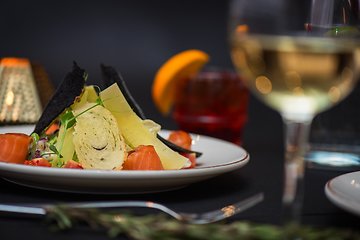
[(184, 140), (14, 147), (180, 138), (143, 157)]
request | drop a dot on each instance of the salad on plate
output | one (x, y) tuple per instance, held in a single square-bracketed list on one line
[(84, 127)]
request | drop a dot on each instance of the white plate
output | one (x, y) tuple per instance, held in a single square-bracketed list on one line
[(344, 191), (218, 157)]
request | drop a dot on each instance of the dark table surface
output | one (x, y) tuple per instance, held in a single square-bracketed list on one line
[(262, 138)]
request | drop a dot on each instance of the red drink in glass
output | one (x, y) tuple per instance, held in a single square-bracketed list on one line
[(213, 103)]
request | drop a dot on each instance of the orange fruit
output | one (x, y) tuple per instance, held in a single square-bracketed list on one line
[(170, 74)]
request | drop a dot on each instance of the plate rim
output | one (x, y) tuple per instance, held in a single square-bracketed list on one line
[(344, 202), (147, 173), (237, 159)]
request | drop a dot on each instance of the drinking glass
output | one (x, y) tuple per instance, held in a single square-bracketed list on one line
[(300, 57), (214, 103)]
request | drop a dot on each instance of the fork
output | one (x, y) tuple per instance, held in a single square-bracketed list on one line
[(194, 218)]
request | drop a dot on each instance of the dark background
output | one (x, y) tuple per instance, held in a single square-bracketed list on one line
[(136, 37)]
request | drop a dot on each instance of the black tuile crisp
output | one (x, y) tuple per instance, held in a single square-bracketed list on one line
[(69, 89), (110, 76)]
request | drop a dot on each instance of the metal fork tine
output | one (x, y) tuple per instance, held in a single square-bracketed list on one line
[(230, 210)]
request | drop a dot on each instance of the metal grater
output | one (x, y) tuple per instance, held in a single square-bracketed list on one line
[(19, 99)]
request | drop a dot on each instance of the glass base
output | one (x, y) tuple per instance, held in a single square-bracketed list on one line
[(326, 157)]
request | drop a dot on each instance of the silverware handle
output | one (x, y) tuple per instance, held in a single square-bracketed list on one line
[(22, 209)]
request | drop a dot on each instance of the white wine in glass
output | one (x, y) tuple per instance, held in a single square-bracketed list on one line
[(299, 62)]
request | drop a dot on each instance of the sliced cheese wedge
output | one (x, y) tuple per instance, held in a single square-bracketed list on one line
[(68, 148), (135, 132)]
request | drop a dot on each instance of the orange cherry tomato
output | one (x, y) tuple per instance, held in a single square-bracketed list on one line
[(53, 128), (72, 164), (41, 162)]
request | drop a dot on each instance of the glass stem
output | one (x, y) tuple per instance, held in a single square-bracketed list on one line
[(296, 141)]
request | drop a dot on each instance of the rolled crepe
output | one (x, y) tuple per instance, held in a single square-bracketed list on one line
[(97, 139)]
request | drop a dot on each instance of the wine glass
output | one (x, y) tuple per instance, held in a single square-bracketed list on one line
[(300, 58)]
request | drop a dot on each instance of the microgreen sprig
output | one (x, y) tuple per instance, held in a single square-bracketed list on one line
[(68, 120), (53, 148), (86, 75)]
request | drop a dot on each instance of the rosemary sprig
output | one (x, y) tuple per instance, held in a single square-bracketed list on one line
[(161, 226)]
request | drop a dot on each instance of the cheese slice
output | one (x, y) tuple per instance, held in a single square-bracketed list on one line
[(68, 148), (135, 132)]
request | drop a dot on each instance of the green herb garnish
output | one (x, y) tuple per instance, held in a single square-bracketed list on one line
[(68, 120), (53, 148), (161, 227)]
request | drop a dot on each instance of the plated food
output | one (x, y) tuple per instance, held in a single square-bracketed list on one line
[(86, 128), (212, 163)]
